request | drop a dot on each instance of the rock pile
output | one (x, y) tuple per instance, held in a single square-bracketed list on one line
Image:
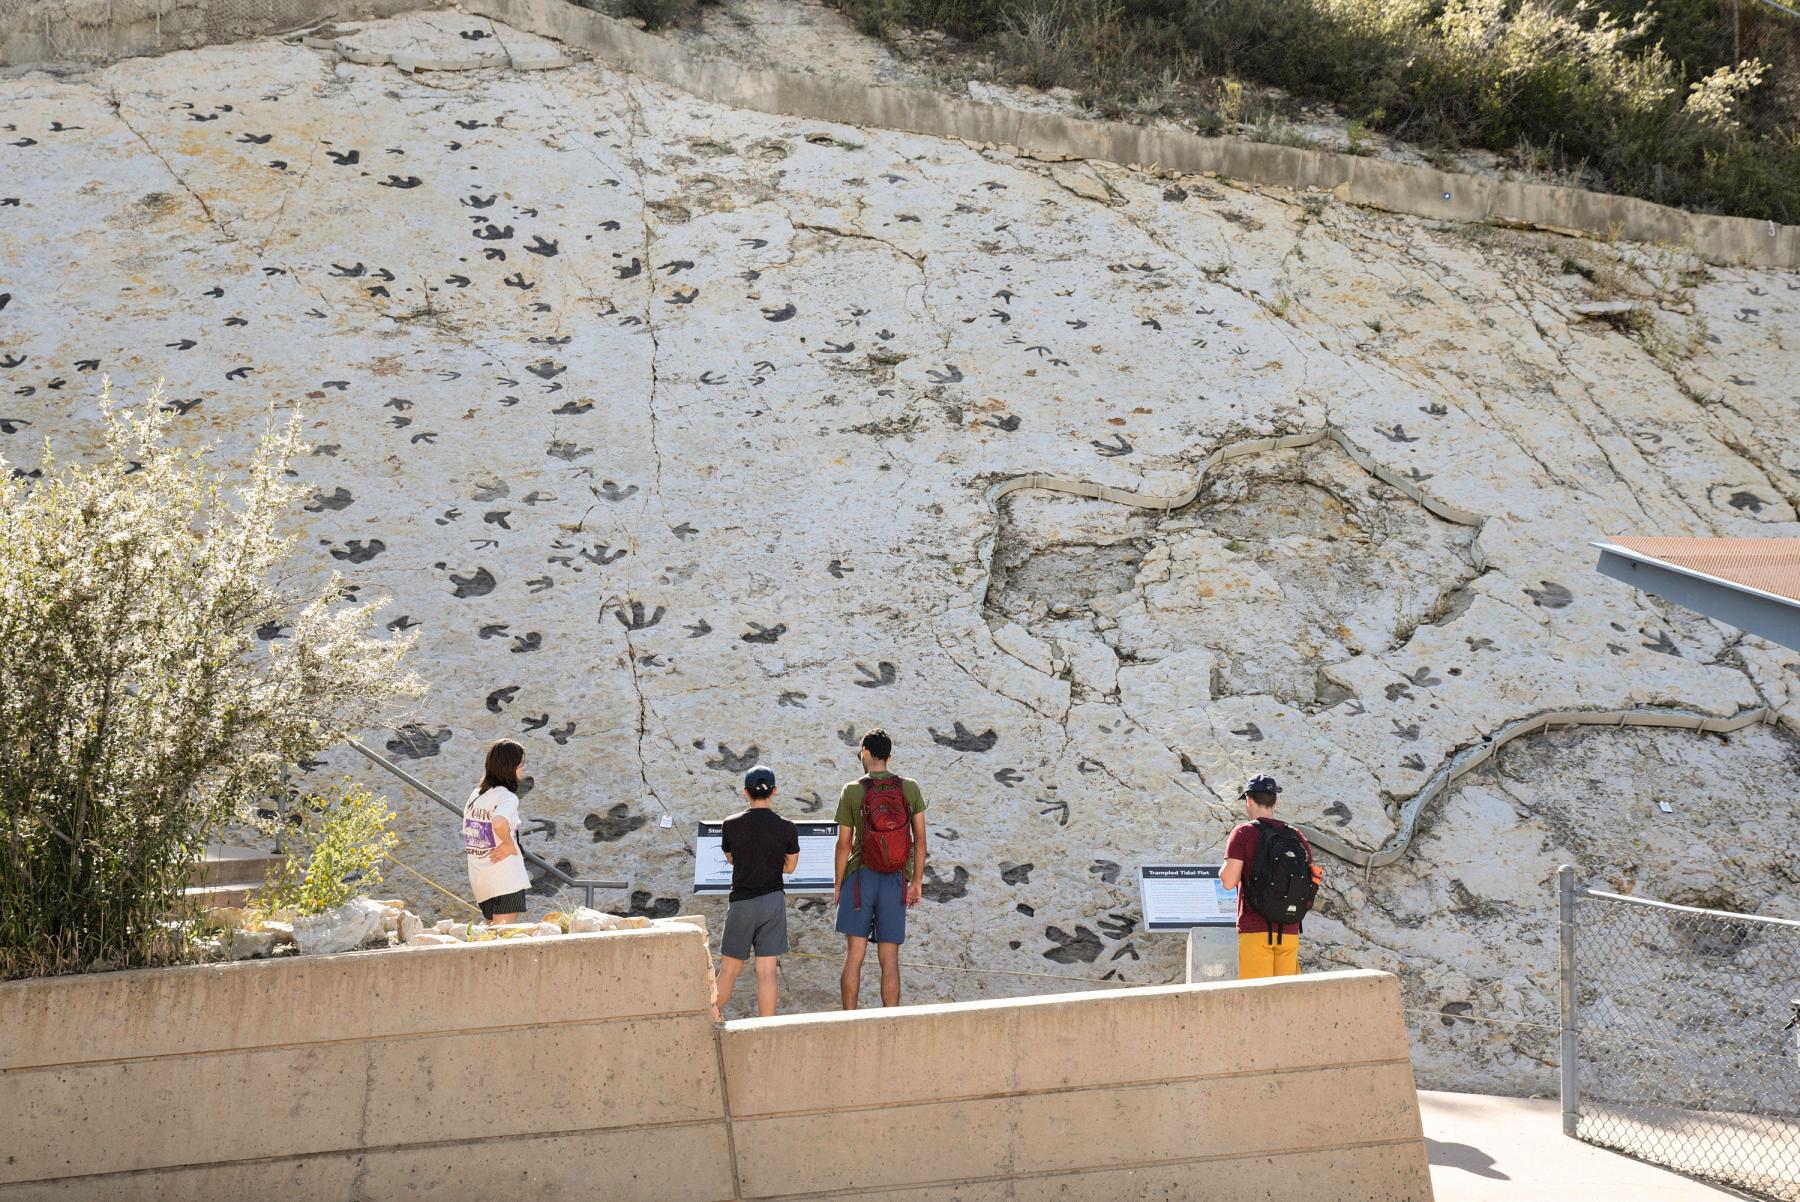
[(365, 923)]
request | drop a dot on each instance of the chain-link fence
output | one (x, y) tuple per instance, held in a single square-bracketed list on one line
[(1743, 33), (1679, 1037), (1767, 32)]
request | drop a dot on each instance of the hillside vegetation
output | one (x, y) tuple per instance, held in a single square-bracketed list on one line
[(1648, 100)]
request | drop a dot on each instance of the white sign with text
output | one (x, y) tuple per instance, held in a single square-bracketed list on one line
[(1179, 897), (812, 875)]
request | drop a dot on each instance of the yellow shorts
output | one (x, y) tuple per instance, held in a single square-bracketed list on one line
[(1257, 957)]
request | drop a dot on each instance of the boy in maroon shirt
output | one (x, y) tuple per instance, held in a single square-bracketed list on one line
[(1259, 954)]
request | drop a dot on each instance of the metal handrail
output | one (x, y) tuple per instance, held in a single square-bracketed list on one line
[(586, 886), (1732, 915)]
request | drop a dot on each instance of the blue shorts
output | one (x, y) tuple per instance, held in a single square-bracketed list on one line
[(881, 914)]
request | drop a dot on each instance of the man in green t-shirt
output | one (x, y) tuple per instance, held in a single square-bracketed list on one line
[(871, 903)]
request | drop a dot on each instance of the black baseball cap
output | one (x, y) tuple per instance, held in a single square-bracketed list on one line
[(1260, 783), (760, 780)]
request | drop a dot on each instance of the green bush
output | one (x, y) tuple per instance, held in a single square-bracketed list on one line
[(1640, 98), (656, 14), (138, 707), (336, 841)]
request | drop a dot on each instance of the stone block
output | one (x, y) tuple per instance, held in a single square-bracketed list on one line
[(248, 945), (432, 939), (584, 921), (359, 922)]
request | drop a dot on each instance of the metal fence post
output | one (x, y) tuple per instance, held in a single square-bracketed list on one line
[(1571, 1090)]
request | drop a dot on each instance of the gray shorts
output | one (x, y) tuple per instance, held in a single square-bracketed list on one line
[(759, 923)]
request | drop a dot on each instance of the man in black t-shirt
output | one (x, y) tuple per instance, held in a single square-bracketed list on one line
[(762, 847)]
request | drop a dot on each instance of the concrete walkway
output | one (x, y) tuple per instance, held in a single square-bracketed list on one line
[(1489, 1149)]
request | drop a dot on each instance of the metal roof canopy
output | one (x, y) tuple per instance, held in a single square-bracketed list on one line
[(1750, 583)]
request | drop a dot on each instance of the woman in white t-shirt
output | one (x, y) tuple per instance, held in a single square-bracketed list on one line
[(490, 841)]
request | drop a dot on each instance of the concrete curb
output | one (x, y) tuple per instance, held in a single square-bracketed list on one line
[(1395, 187)]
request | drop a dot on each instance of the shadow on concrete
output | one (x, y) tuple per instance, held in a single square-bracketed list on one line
[(1466, 1157)]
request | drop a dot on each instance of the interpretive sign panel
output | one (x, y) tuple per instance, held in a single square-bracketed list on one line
[(1179, 897), (712, 872)]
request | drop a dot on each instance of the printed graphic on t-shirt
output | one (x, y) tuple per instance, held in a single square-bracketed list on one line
[(482, 815), (478, 836)]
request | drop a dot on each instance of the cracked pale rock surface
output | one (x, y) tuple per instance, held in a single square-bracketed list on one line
[(671, 428)]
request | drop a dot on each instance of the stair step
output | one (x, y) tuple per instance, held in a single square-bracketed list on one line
[(205, 897), (246, 866)]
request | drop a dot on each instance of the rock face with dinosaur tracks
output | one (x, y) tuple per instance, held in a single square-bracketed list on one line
[(689, 438)]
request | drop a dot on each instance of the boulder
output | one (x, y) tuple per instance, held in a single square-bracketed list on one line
[(431, 939), (681, 920), (222, 918), (283, 932), (356, 923), (410, 924), (249, 945), (585, 920), (394, 920), (548, 928), (1604, 309)]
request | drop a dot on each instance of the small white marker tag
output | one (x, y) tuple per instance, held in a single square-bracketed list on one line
[(668, 822), (1665, 807)]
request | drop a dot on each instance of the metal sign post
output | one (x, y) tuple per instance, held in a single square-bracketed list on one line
[(1566, 996)]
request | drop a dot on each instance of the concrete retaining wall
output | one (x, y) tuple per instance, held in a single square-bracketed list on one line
[(584, 1066), (1295, 1088), (590, 1066), (50, 32), (1396, 187), (75, 31)]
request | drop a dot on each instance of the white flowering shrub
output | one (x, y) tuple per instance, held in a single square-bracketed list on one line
[(138, 707), (1716, 98)]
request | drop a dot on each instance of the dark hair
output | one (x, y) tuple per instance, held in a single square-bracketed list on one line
[(759, 790), (1262, 799), (877, 744), (502, 768)]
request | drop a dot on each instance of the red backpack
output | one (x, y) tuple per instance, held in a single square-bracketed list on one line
[(886, 824)]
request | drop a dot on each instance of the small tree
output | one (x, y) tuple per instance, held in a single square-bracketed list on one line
[(138, 707), (336, 840)]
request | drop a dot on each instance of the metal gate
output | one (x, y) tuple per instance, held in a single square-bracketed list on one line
[(1679, 1037)]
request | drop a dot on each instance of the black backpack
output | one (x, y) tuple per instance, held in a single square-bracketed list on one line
[(1281, 886)]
